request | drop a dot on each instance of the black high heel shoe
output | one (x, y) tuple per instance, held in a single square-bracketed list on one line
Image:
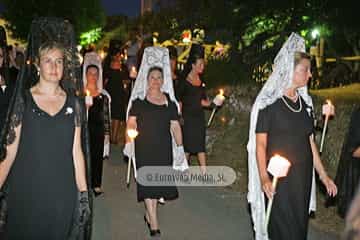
[(97, 193), (155, 233)]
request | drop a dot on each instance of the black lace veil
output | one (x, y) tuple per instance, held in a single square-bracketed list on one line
[(44, 30), (4, 69)]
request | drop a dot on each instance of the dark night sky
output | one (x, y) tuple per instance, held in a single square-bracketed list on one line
[(125, 7), (129, 8)]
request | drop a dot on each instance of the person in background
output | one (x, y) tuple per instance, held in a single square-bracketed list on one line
[(191, 94), (116, 76), (15, 69), (173, 64), (348, 172), (6, 85), (98, 117), (153, 112)]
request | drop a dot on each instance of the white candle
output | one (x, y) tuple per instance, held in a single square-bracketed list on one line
[(88, 99), (220, 98), (278, 166), (328, 109), (132, 133)]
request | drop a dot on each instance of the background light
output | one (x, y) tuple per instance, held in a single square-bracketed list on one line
[(315, 33)]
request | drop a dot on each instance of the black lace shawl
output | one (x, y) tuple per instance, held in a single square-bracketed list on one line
[(45, 30)]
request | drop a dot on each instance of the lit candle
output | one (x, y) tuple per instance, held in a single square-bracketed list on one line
[(125, 55), (133, 72), (220, 98), (102, 54), (278, 167), (132, 133), (218, 101), (328, 110), (88, 99)]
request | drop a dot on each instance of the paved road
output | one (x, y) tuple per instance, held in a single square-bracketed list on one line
[(199, 213)]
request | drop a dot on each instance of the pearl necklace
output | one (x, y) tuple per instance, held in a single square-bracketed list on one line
[(292, 109)]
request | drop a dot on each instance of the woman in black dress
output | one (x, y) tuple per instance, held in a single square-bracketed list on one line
[(98, 118), (192, 96), (155, 117), (173, 65), (116, 79), (43, 173), (285, 126), (348, 173)]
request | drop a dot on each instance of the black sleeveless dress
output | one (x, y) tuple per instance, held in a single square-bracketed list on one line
[(288, 135), (193, 128), (42, 189)]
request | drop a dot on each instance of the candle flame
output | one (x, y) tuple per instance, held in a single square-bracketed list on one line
[(221, 92), (328, 102), (133, 68), (102, 54), (87, 93), (132, 133)]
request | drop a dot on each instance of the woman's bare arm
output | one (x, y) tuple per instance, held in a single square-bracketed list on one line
[(11, 151), (261, 145), (176, 131), (356, 153), (319, 167), (79, 161)]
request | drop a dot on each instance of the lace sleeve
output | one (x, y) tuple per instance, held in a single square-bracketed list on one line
[(106, 116), (13, 120)]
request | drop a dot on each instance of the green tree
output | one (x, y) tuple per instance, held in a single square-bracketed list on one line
[(83, 14)]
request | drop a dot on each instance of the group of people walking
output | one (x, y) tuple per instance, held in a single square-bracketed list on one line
[(58, 125)]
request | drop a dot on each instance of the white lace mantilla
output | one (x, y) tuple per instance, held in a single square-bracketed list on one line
[(156, 56), (273, 89)]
